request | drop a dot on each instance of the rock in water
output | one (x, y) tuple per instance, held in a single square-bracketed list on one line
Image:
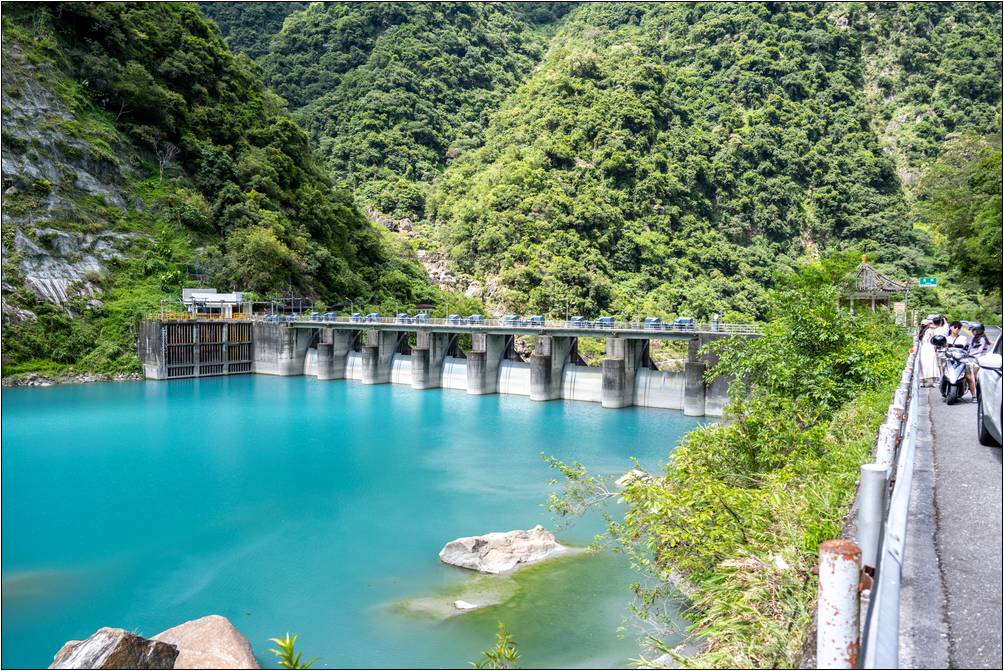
[(211, 642), (110, 648), (502, 551)]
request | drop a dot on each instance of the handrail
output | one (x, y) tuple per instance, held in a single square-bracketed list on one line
[(521, 324), (880, 639), (524, 324)]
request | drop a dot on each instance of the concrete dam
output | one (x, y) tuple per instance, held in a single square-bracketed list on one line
[(382, 353)]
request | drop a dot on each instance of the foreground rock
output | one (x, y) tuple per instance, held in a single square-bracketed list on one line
[(500, 552), (110, 648), (211, 642)]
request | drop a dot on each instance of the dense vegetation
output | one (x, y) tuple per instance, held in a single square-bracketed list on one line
[(931, 70), (391, 91), (214, 172), (249, 26), (673, 155), (959, 201), (738, 515), (655, 158)]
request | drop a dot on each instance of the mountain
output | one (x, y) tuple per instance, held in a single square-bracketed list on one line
[(642, 157), (670, 157), (931, 70), (390, 92), (138, 150)]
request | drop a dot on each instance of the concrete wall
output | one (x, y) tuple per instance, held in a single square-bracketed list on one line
[(150, 349), (454, 373), (280, 349), (582, 383), (659, 388)]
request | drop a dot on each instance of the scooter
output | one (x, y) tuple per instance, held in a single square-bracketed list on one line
[(953, 373)]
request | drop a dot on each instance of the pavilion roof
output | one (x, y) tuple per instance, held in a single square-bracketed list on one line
[(871, 282)]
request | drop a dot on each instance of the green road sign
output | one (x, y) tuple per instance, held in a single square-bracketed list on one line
[(928, 281)]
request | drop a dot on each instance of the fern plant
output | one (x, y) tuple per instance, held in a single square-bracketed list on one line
[(289, 658)]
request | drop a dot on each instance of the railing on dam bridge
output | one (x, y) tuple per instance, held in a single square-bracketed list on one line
[(549, 327), (583, 328)]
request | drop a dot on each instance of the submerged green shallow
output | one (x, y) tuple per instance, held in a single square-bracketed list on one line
[(288, 504)]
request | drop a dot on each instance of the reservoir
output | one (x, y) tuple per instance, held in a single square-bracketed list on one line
[(314, 507)]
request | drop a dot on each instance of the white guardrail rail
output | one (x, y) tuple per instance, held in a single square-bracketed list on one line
[(865, 577), (525, 324)]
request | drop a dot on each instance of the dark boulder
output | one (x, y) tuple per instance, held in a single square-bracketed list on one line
[(110, 648)]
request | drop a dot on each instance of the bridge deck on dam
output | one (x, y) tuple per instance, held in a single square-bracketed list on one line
[(634, 330)]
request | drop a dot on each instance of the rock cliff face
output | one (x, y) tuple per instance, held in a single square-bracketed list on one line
[(61, 174)]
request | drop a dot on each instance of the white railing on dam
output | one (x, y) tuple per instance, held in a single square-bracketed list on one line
[(592, 328)]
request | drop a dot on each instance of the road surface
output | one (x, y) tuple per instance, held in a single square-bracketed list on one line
[(952, 595)]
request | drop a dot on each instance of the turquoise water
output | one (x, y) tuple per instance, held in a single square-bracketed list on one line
[(288, 504)]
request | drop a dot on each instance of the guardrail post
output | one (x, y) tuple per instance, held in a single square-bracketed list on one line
[(885, 447), (837, 613), (871, 511)]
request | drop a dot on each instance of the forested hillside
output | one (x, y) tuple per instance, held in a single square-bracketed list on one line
[(626, 158), (390, 92), (676, 154), (138, 147), (931, 69), (648, 158)]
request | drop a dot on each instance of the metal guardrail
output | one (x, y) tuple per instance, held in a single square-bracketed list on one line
[(880, 639), (853, 577), (190, 317)]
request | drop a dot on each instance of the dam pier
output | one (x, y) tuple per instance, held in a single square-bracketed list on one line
[(427, 354)]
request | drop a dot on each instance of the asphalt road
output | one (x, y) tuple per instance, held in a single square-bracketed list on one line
[(952, 577)]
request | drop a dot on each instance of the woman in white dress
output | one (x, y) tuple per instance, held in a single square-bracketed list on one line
[(930, 369)]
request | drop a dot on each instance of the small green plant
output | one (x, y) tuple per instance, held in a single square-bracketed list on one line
[(289, 658), (503, 656)]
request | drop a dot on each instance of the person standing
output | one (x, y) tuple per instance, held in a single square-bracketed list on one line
[(929, 369)]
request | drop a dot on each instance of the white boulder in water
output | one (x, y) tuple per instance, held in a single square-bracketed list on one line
[(500, 552)]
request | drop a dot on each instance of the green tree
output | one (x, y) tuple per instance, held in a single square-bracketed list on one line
[(960, 199)]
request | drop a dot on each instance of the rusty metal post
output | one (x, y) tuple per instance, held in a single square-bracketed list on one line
[(899, 400), (871, 511), (885, 447), (837, 613)]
